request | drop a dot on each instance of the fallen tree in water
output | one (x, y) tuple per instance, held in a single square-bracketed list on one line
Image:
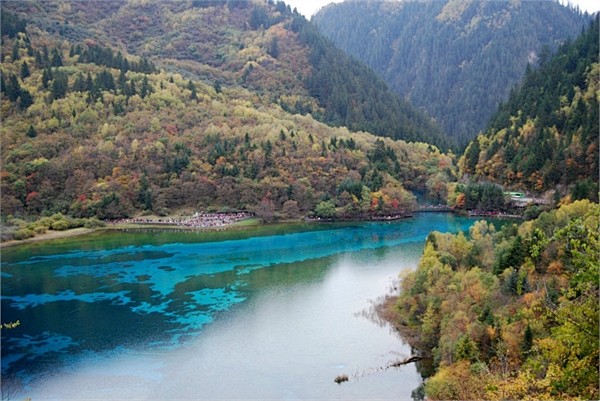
[(344, 378)]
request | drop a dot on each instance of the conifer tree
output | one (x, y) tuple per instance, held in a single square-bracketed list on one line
[(46, 77), (59, 86), (13, 89), (25, 99), (122, 81), (24, 70), (2, 83), (15, 52), (31, 132), (56, 60), (146, 89), (79, 84), (131, 91), (192, 88), (45, 56), (38, 59)]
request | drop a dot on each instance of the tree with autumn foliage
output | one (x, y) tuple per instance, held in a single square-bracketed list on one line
[(524, 328), (545, 137)]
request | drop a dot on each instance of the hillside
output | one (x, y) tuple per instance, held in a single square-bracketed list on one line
[(545, 137), (456, 59), (93, 131), (508, 314), (261, 46)]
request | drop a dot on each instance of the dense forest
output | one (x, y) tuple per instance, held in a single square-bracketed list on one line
[(509, 313), (457, 59), (92, 131), (262, 46), (545, 137)]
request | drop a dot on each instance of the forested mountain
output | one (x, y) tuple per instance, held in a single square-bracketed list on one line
[(545, 137), (259, 45), (509, 314), (90, 130), (457, 59)]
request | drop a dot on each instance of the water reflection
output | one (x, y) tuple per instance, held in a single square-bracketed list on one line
[(154, 316)]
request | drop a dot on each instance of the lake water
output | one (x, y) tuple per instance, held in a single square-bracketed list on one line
[(274, 312)]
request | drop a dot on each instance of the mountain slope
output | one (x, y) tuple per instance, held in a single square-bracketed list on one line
[(93, 131), (261, 46), (546, 135), (456, 59)]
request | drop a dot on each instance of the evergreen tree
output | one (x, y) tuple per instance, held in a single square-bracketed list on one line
[(217, 86), (24, 70), (15, 51), (131, 90), (38, 59), (31, 132), (527, 340), (56, 60), (104, 81), (45, 56), (79, 84), (47, 76), (472, 156), (273, 50), (145, 194), (11, 24), (192, 88), (2, 83), (122, 81), (59, 86), (25, 99), (13, 89), (89, 83), (146, 89)]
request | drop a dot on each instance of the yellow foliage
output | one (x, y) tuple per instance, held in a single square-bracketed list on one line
[(457, 382)]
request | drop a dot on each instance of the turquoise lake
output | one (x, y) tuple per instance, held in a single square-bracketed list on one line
[(274, 312)]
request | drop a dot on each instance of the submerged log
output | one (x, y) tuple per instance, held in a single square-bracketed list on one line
[(406, 361), (344, 378)]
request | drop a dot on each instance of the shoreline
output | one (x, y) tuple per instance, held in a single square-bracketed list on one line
[(50, 235), (74, 232)]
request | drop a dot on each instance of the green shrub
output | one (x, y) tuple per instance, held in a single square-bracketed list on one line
[(93, 222), (40, 229), (23, 233), (16, 222), (76, 223), (60, 225), (57, 217)]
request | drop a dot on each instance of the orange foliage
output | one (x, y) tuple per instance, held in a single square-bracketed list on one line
[(461, 200)]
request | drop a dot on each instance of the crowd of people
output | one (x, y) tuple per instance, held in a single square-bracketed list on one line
[(197, 220), (483, 213)]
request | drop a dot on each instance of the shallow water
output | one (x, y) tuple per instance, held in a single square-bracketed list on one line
[(270, 313)]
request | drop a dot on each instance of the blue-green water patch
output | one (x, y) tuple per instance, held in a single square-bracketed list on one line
[(147, 290)]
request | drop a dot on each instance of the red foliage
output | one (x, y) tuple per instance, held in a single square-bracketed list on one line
[(31, 196)]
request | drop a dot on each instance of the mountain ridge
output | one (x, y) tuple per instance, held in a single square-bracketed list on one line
[(456, 59), (90, 131), (263, 46), (545, 137)]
